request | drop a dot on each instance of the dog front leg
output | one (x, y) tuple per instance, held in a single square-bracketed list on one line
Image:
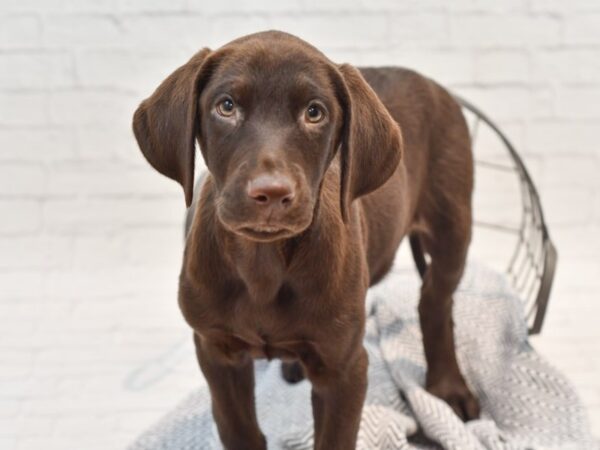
[(337, 401), (232, 393)]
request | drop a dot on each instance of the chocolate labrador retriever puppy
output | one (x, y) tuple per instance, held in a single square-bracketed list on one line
[(316, 172)]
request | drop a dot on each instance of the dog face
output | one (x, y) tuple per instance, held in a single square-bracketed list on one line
[(269, 124), (270, 112)]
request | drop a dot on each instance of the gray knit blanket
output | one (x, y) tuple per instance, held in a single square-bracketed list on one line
[(525, 402)]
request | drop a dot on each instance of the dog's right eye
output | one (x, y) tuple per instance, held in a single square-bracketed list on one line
[(314, 113), (226, 107)]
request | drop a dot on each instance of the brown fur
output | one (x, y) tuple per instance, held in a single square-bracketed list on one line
[(390, 158)]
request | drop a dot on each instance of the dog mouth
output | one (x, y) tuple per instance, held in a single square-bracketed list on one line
[(266, 228), (264, 233)]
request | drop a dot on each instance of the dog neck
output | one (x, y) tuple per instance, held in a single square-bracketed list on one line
[(264, 267)]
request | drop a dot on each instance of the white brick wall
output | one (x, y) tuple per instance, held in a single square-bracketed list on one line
[(92, 347)]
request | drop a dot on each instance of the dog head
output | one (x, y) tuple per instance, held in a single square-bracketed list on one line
[(270, 112)]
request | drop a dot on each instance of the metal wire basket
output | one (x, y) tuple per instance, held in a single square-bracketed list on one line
[(521, 244), (508, 215)]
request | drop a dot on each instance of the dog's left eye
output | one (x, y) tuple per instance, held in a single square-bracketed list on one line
[(314, 113), (226, 107)]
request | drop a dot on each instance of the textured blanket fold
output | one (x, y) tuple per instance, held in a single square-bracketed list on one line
[(525, 402)]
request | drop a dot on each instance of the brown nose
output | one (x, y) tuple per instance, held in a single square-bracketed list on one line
[(270, 190)]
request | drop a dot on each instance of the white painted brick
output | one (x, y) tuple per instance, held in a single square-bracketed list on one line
[(579, 103), (582, 172), (8, 427), (20, 216), (446, 67), (483, 31), (153, 6), (9, 443), (562, 137), (155, 247), (82, 30), (34, 252), (391, 5), (572, 65), (189, 32), (95, 252), (106, 179), (515, 132), (312, 6), (221, 29), (559, 6), (583, 29), (124, 69), (23, 108), (52, 6), (19, 31), (97, 108), (17, 285), (352, 30), (36, 70), (356, 57), (10, 408), (22, 180), (109, 144), (502, 67), (21, 310), (510, 103), (417, 30), (21, 389), (37, 426), (484, 6), (303, 6), (568, 206), (572, 245), (13, 370), (36, 144), (109, 215)]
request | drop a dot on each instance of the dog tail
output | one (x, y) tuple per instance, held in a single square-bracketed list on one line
[(416, 249)]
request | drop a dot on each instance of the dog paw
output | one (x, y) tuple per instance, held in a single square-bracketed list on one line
[(292, 372), (458, 396)]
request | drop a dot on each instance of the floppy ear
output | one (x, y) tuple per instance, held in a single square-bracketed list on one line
[(371, 144), (165, 124)]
